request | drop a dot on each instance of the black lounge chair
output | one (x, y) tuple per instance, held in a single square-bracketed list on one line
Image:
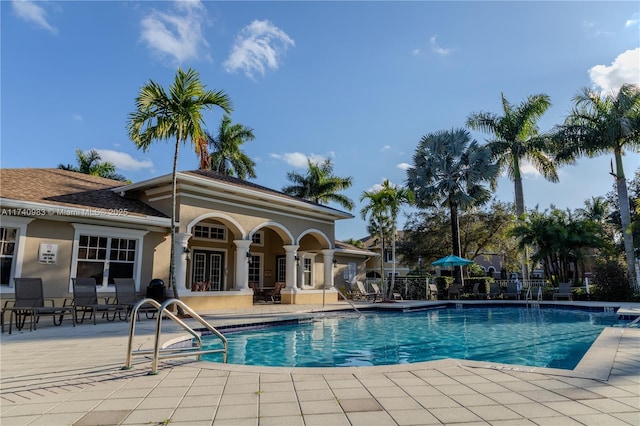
[(494, 291), (564, 290), (30, 302), (85, 300), (512, 291), (126, 295)]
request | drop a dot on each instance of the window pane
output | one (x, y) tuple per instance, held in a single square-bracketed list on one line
[(5, 270), (91, 270), (120, 270)]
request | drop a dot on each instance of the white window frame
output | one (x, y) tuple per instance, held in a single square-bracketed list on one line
[(260, 257), (108, 232), (210, 225), (350, 272), (311, 258), (20, 224), (259, 236)]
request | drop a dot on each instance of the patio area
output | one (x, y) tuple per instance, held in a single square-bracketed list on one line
[(73, 376)]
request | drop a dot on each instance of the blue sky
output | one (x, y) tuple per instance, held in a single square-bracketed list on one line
[(357, 82)]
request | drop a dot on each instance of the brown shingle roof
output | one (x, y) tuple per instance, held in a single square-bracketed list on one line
[(63, 188)]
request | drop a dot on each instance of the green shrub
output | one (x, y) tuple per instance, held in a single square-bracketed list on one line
[(611, 283), (443, 283)]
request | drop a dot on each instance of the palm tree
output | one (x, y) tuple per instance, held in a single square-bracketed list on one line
[(450, 169), (516, 139), (391, 198), (174, 114), (379, 221), (602, 124), (319, 185), (90, 163), (226, 157)]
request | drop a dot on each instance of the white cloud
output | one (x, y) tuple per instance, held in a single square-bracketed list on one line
[(527, 169), (416, 52), (386, 148), (29, 11), (634, 21), (259, 46), (591, 29), (123, 160), (298, 159), (76, 117), (436, 48), (624, 69), (375, 188), (177, 35), (403, 166)]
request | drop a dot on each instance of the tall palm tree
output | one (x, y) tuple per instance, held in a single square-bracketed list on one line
[(176, 114), (450, 169), (320, 185), (516, 138), (226, 157), (91, 163), (602, 124), (392, 199), (379, 221)]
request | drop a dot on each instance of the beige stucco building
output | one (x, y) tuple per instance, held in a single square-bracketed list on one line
[(234, 239)]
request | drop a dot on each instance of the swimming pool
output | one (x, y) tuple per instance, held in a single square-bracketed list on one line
[(533, 337)]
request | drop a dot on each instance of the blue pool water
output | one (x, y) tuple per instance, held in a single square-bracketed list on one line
[(532, 337)]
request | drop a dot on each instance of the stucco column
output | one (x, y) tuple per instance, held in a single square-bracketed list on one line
[(292, 273), (241, 275), (181, 241), (328, 268)]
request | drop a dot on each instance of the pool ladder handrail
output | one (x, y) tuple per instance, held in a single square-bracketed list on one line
[(348, 301), (171, 352), (634, 322), (529, 296)]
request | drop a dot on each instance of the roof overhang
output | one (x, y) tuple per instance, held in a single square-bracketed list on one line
[(63, 213), (203, 186)]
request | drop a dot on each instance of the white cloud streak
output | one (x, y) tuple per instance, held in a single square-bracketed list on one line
[(123, 160), (625, 68), (31, 12), (177, 36), (298, 159), (259, 46), (436, 48), (634, 21), (403, 166)]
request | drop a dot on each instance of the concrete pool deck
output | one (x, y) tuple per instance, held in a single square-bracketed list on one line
[(73, 376)]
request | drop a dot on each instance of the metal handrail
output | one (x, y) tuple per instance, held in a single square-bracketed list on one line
[(348, 301), (634, 322), (175, 352)]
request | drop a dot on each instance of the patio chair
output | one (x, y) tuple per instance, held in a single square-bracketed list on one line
[(126, 295), (433, 292), (476, 291), (85, 300), (512, 291), (364, 293), (30, 302), (494, 291), (377, 293), (564, 290), (276, 292), (455, 290)]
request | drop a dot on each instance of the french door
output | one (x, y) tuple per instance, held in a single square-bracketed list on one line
[(208, 267)]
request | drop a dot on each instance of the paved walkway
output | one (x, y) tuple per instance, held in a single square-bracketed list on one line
[(73, 376)]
